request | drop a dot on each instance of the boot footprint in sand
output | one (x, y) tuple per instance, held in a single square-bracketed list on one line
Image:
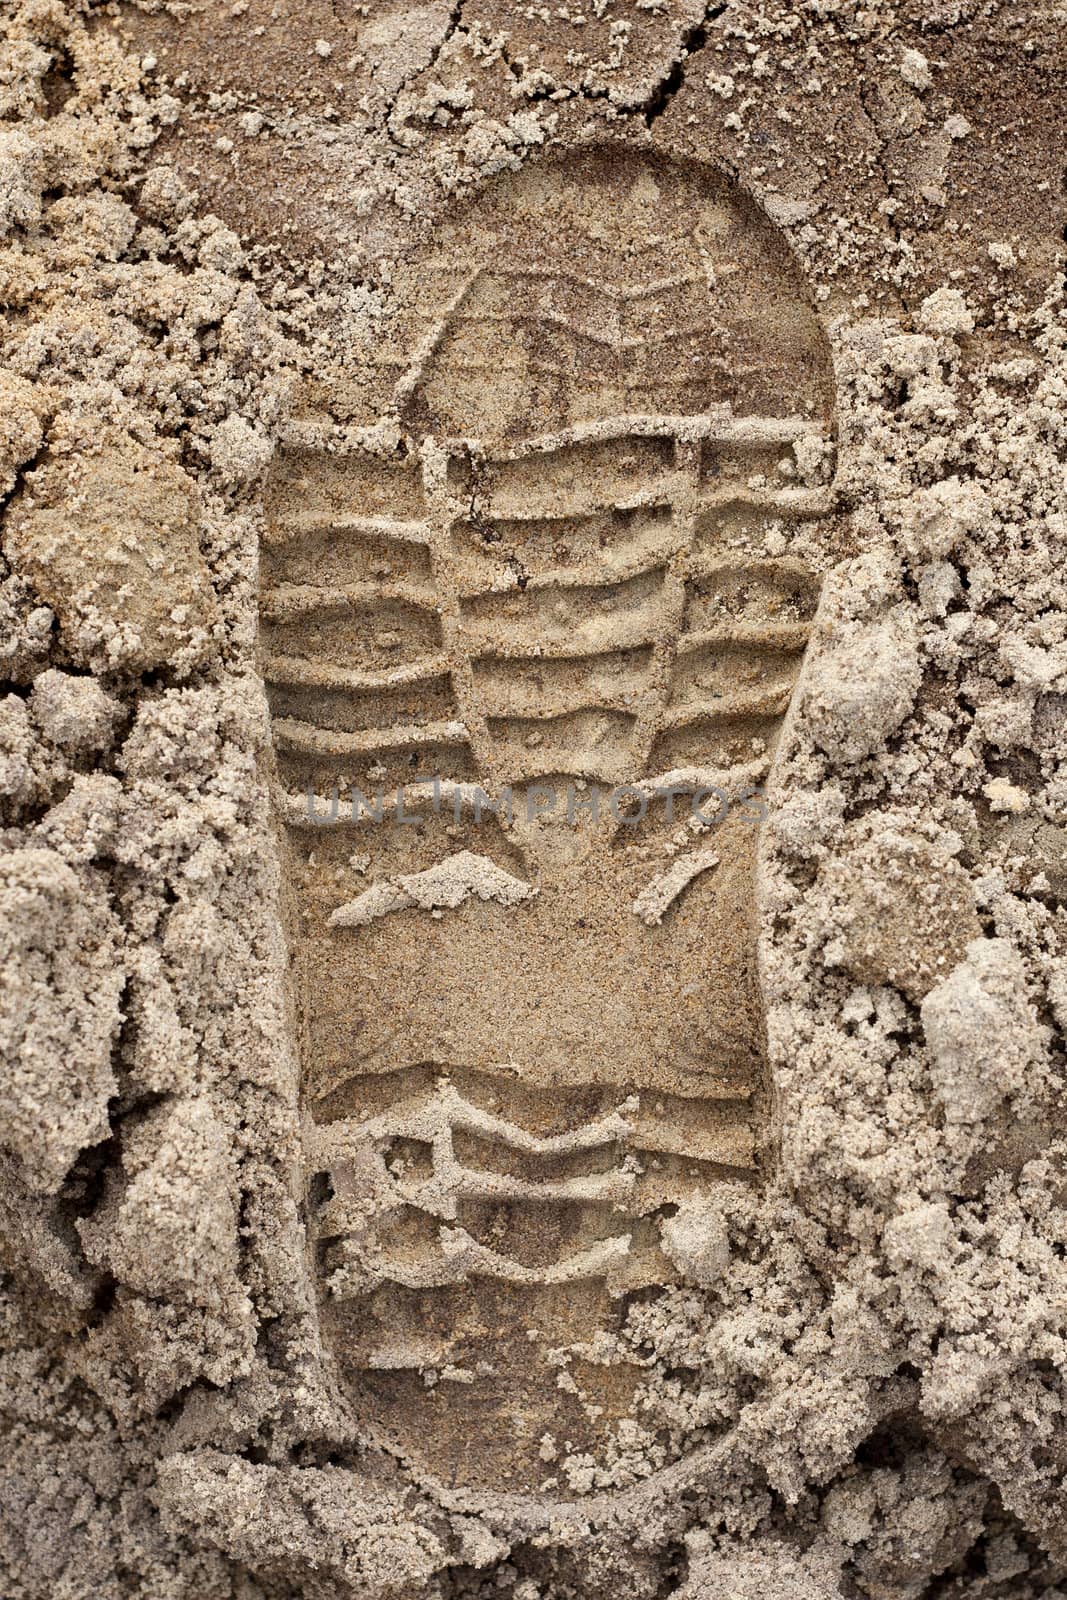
[(527, 671)]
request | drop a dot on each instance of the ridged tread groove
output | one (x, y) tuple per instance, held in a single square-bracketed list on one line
[(632, 612)]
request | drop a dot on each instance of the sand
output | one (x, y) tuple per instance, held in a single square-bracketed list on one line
[(619, 1154)]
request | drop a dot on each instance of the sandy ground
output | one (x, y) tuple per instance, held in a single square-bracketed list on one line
[(589, 392)]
